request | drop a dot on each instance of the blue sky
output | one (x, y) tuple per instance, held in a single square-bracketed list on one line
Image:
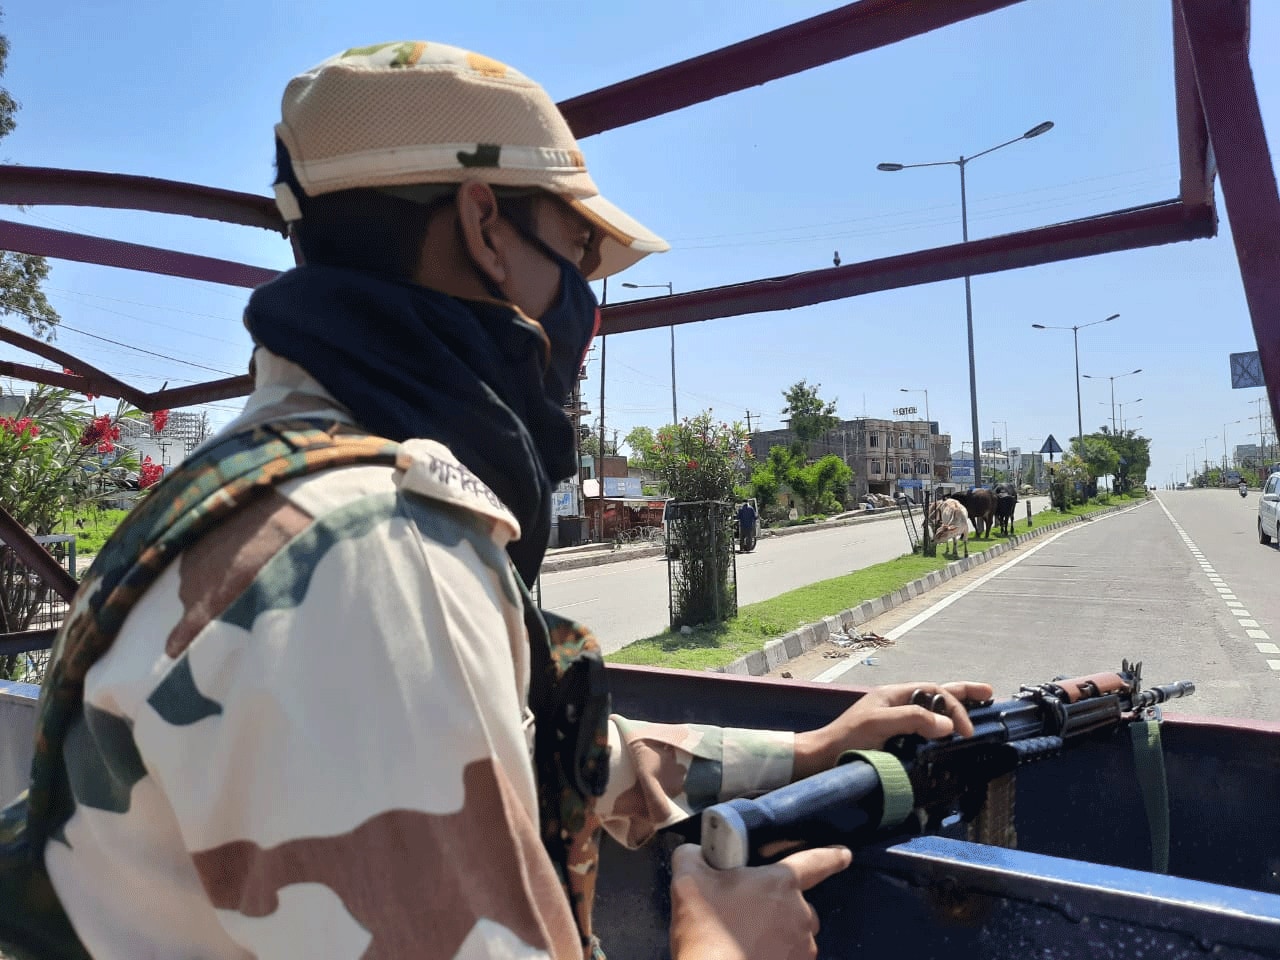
[(766, 182)]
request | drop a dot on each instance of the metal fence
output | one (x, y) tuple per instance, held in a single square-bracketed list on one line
[(31, 609), (702, 572)]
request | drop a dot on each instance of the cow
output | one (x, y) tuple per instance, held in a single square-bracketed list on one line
[(981, 505), (1006, 503), (950, 522)]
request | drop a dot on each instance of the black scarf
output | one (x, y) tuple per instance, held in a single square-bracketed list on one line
[(409, 362)]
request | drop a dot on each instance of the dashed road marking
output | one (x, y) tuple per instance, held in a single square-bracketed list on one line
[(1243, 617)]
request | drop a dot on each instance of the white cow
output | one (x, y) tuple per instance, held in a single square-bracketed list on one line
[(950, 522)]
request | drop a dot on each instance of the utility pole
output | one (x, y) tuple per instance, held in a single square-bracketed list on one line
[(749, 416), (600, 459)]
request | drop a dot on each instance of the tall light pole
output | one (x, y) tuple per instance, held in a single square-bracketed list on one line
[(1206, 455), (1120, 407), (1008, 466), (928, 431), (1075, 338), (675, 419), (1224, 445), (1035, 131), (1113, 390)]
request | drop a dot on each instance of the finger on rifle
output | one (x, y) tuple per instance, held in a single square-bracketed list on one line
[(811, 867)]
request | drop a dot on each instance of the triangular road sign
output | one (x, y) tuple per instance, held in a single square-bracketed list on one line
[(1051, 446)]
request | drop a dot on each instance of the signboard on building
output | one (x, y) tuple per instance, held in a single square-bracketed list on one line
[(630, 487), (562, 500), (961, 470), (904, 411), (990, 446), (911, 484)]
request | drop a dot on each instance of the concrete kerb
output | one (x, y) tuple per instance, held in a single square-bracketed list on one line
[(782, 650)]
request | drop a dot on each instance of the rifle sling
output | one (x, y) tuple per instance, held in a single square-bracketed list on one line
[(1148, 760), (899, 798)]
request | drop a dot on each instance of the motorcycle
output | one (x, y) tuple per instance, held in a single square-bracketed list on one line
[(1244, 489)]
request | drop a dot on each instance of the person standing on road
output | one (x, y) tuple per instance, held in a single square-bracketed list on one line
[(319, 732)]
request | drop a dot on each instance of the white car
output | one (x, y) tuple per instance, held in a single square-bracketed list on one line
[(1269, 510)]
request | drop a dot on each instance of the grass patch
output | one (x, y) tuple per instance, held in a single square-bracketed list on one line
[(98, 526), (757, 623)]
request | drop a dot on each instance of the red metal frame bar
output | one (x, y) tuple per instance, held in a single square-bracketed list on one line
[(89, 380), (1218, 40), (63, 245), (37, 186), (36, 557), (1144, 227), (826, 38)]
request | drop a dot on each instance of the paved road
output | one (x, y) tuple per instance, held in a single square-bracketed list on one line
[(1130, 585), (626, 601)]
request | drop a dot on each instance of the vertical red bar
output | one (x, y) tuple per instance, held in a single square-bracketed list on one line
[(1218, 38)]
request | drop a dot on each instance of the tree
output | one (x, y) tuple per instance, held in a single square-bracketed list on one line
[(1135, 457), (1097, 454), (699, 458), (21, 274), (810, 416), (640, 441)]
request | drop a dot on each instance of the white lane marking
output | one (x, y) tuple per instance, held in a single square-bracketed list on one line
[(1243, 617), (839, 669)]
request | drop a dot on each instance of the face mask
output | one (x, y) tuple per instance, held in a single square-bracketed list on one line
[(571, 324)]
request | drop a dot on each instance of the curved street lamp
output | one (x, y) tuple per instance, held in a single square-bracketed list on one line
[(1113, 390), (1075, 336), (962, 162)]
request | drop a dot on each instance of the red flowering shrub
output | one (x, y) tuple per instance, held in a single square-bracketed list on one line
[(158, 420), (101, 431), (149, 473)]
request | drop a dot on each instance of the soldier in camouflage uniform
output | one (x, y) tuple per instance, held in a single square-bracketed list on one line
[(311, 736)]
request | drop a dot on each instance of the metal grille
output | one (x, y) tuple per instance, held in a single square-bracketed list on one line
[(702, 571), (30, 611)]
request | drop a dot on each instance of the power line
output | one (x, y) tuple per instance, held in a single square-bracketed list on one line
[(9, 307)]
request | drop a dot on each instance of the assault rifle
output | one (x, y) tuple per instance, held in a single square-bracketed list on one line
[(922, 786)]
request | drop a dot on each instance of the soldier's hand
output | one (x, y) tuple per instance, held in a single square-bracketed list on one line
[(888, 712), (751, 913)]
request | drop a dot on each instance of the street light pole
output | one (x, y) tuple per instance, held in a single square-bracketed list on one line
[(1224, 445), (1075, 337), (928, 431), (675, 419), (962, 163), (1113, 380)]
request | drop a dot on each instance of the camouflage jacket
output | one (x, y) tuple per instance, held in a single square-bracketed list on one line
[(311, 736)]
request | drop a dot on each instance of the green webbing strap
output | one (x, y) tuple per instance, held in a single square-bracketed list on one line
[(899, 798), (1148, 759)]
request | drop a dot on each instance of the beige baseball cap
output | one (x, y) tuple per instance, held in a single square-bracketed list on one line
[(411, 113)]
